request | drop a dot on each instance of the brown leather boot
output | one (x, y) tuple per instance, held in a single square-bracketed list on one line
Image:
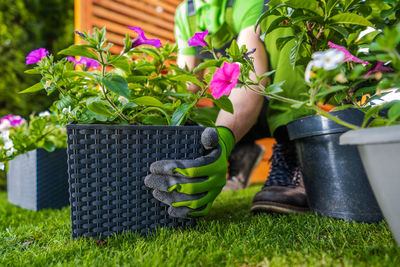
[(284, 190)]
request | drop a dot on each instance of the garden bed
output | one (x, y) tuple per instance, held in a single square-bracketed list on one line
[(229, 236)]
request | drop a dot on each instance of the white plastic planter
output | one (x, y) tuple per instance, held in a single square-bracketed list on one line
[(380, 153)]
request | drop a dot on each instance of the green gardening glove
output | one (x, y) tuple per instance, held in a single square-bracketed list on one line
[(190, 187)]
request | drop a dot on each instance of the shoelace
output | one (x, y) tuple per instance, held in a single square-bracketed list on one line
[(284, 166)]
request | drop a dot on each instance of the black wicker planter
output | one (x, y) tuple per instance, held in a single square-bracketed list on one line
[(38, 180), (107, 165)]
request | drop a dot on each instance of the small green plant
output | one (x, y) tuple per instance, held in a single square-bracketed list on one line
[(17, 136)]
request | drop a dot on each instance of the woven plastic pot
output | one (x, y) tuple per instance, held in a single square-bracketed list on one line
[(38, 180), (334, 177), (107, 165), (379, 150)]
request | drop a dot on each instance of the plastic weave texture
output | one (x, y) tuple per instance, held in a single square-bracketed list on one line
[(38, 180), (107, 165)]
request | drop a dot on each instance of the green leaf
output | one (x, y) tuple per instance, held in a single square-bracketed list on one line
[(148, 101), (234, 50), (83, 74), (32, 71), (275, 88), (207, 64), (33, 88), (224, 103), (329, 7), (331, 90), (307, 5), (117, 84), (64, 102), (121, 62), (350, 18), (275, 24), (186, 78), (80, 51), (100, 107), (179, 114), (394, 112), (267, 14), (298, 105), (282, 41), (340, 30), (368, 38), (343, 107), (294, 52), (136, 78)]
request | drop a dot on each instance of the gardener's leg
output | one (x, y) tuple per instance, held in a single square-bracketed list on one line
[(283, 192), (247, 155)]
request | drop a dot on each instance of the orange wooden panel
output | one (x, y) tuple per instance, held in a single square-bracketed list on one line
[(124, 20), (260, 174), (133, 13), (166, 6), (150, 9)]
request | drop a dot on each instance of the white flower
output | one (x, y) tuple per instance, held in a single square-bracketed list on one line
[(123, 100), (8, 144), (44, 114), (47, 84), (327, 60), (2, 166), (9, 153), (5, 124), (66, 110)]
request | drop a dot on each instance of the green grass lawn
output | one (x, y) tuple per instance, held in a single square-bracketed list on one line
[(229, 236)]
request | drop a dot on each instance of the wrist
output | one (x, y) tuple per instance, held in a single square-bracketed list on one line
[(227, 137)]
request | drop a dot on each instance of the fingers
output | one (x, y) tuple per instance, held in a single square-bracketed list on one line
[(163, 183), (189, 168), (171, 197), (209, 138), (185, 212)]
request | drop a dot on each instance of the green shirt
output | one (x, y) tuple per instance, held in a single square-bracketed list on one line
[(281, 113), (211, 16)]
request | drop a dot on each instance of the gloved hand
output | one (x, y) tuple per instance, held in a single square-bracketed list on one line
[(189, 187)]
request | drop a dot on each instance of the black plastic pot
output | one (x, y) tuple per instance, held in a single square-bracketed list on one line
[(38, 180), (107, 165), (334, 177)]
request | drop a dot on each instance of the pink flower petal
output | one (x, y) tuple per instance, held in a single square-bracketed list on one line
[(36, 55), (142, 40), (224, 79), (198, 39), (348, 55)]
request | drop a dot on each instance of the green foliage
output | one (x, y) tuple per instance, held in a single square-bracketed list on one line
[(139, 86), (41, 131), (25, 25), (229, 236), (314, 23)]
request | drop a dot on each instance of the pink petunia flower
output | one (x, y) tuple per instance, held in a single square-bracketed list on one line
[(141, 39), (348, 55), (13, 120), (36, 55), (378, 68), (85, 61), (198, 39), (224, 79)]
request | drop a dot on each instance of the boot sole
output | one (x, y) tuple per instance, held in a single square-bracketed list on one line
[(269, 206)]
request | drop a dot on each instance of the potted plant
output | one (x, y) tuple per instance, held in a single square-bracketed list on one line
[(34, 156), (334, 178), (124, 112), (380, 144)]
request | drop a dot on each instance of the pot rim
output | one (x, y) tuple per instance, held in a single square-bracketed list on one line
[(130, 126), (369, 136)]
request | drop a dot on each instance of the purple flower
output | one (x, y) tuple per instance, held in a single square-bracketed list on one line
[(36, 55), (80, 34), (198, 39), (85, 61), (378, 68), (348, 55), (141, 39), (13, 120), (224, 79)]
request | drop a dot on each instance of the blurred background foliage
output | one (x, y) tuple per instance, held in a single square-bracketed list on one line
[(26, 25)]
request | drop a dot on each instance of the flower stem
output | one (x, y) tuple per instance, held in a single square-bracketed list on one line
[(334, 118)]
